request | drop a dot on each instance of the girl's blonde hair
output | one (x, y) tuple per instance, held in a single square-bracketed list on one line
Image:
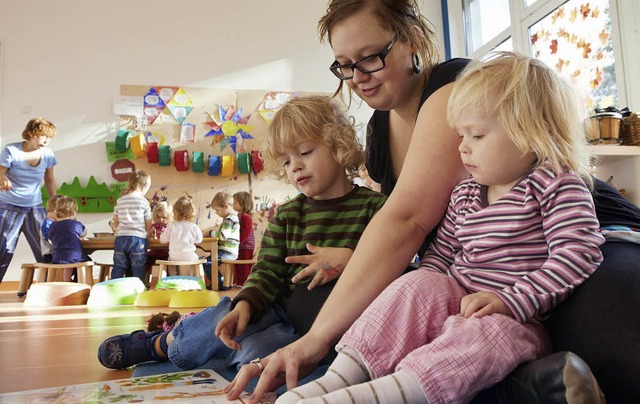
[(184, 210), (66, 207), (245, 201), (51, 202), (162, 207), (139, 180), (318, 119), (398, 16), (538, 109), (39, 127), (222, 199)]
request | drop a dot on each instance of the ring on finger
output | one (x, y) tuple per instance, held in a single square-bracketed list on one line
[(257, 362)]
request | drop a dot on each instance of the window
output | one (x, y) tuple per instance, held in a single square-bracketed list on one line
[(575, 37)]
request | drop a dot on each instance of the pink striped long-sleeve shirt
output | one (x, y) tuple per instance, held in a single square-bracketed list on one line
[(532, 247)]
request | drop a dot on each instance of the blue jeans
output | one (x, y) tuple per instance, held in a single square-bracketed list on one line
[(195, 341), (129, 252)]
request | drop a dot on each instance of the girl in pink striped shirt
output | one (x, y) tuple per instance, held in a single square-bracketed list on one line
[(518, 237)]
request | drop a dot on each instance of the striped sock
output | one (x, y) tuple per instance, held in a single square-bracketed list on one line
[(160, 346), (346, 370), (399, 387)]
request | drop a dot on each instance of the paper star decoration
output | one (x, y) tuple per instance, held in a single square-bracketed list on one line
[(226, 124)]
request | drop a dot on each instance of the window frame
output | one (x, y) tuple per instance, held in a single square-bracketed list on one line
[(524, 17)]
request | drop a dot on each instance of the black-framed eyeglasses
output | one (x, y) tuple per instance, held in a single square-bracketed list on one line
[(368, 64)]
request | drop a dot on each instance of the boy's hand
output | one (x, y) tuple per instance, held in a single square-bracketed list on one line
[(482, 304), (324, 263), (233, 324)]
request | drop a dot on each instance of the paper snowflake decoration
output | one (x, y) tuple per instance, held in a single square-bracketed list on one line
[(226, 125)]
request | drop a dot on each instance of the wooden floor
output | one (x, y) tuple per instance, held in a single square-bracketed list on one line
[(49, 347)]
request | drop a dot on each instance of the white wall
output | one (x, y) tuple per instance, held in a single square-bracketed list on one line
[(65, 60)]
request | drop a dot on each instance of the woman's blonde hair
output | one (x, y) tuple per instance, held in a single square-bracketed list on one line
[(162, 207), (66, 207), (222, 199), (318, 119), (184, 210), (537, 108), (39, 127), (397, 16), (245, 201)]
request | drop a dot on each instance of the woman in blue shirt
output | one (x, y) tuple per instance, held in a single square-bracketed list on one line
[(23, 166)]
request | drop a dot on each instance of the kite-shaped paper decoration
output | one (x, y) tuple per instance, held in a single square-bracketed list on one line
[(153, 106), (166, 93), (166, 116), (272, 102), (180, 106), (226, 125)]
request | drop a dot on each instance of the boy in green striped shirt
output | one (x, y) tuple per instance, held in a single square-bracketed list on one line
[(312, 145)]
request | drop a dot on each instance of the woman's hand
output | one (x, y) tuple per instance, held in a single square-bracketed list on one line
[(327, 263), (233, 324), (481, 304), (5, 184), (285, 365)]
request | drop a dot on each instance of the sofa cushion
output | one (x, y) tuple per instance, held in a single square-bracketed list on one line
[(600, 322)]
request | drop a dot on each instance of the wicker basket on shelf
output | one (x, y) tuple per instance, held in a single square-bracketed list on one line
[(630, 130)]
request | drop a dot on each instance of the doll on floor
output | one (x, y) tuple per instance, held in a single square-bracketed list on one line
[(166, 322)]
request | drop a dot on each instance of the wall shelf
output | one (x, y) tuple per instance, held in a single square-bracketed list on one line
[(614, 150)]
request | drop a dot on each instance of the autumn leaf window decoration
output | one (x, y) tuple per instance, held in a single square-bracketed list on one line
[(576, 40)]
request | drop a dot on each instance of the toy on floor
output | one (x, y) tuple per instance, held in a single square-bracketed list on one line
[(194, 298), (115, 292), (154, 298), (166, 322), (180, 282)]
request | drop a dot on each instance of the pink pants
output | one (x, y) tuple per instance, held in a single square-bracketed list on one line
[(415, 325)]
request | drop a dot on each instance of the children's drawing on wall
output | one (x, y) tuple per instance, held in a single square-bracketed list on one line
[(272, 102)]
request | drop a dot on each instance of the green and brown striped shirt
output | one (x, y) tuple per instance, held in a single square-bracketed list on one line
[(328, 223)]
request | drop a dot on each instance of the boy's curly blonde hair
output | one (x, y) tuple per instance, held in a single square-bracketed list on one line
[(318, 119), (66, 207), (184, 210), (39, 127)]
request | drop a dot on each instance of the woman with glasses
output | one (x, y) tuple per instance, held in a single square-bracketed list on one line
[(385, 53)]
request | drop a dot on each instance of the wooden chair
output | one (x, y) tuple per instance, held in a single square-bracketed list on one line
[(227, 269), (48, 272), (188, 268), (105, 271), (26, 278)]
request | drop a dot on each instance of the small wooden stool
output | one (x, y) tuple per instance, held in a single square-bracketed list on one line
[(189, 268), (227, 270), (50, 272), (105, 271), (26, 278)]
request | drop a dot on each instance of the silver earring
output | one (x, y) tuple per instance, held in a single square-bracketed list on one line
[(416, 63)]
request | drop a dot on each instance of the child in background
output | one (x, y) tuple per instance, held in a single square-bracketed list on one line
[(243, 204), (227, 232), (23, 166), (517, 238), (131, 219), (309, 138), (161, 216), (65, 234), (182, 233), (47, 248)]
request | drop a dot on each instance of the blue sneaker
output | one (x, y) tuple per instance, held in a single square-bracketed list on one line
[(126, 350)]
